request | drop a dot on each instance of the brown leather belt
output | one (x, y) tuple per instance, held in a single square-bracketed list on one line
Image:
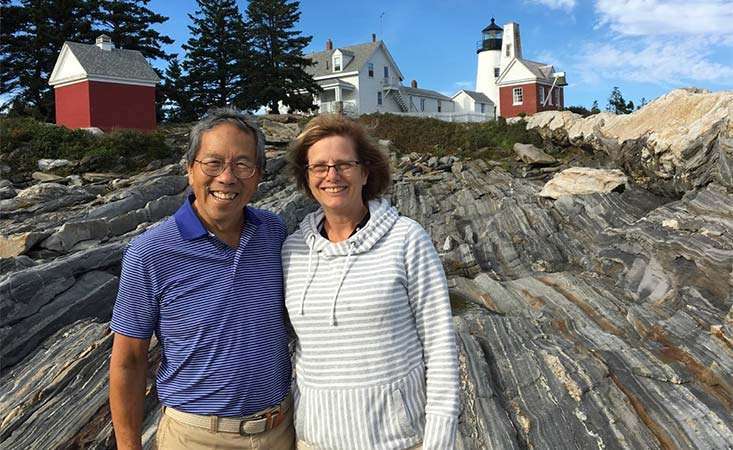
[(259, 422)]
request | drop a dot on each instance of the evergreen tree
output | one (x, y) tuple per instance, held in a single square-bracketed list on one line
[(128, 23), (594, 109), (642, 103), (617, 104), (217, 54), (280, 74), (32, 34), (177, 101)]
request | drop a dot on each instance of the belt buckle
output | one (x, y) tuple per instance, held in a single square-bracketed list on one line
[(260, 420)]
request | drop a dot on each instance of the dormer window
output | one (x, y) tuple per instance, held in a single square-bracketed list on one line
[(337, 63)]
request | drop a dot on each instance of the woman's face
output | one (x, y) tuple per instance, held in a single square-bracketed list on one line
[(337, 191)]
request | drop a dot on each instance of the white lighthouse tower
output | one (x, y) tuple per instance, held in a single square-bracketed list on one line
[(497, 48)]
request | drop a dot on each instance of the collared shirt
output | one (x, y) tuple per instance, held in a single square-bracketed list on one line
[(217, 312)]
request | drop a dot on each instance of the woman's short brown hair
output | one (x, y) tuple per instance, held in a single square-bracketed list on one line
[(369, 155)]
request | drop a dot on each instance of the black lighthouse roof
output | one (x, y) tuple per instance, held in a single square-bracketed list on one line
[(492, 27)]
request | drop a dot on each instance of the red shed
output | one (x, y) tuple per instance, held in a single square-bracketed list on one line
[(103, 86)]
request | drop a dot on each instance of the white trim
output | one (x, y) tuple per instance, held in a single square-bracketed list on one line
[(515, 96), (335, 75), (99, 79)]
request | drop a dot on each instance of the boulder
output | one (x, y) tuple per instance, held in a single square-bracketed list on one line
[(42, 192), (680, 141), (18, 244), (278, 132), (529, 154), (7, 192), (50, 164), (44, 177), (582, 181)]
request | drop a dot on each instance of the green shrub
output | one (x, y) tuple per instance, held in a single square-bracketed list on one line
[(23, 141), (487, 140)]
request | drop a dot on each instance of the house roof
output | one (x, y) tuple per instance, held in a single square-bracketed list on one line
[(114, 64), (360, 52), (423, 93), (539, 71), (479, 97)]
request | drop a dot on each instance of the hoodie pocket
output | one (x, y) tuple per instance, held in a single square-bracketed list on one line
[(401, 413)]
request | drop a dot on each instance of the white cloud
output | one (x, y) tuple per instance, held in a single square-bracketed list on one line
[(669, 62), (667, 17), (556, 4)]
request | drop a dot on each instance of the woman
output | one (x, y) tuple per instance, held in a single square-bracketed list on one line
[(375, 362)]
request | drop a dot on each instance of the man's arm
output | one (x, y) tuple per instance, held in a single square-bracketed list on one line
[(127, 379)]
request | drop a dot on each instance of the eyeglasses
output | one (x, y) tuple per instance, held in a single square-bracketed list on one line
[(215, 167), (343, 168)]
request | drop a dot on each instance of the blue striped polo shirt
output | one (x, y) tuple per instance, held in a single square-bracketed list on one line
[(217, 312)]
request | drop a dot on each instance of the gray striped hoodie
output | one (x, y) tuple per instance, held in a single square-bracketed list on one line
[(375, 360)]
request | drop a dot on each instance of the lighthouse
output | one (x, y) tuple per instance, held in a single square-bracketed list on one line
[(498, 46)]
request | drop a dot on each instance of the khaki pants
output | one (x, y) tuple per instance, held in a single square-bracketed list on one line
[(302, 445), (174, 435)]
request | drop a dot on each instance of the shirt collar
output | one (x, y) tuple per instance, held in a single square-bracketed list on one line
[(191, 227)]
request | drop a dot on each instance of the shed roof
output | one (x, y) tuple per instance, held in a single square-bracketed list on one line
[(115, 64), (479, 97), (423, 93)]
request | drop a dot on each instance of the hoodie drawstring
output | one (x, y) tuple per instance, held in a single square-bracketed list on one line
[(344, 270), (311, 274)]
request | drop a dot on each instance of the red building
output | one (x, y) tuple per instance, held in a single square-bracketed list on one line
[(529, 87), (103, 86)]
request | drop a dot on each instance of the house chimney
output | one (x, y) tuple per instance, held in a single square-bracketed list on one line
[(329, 44), (413, 83), (374, 37), (104, 42)]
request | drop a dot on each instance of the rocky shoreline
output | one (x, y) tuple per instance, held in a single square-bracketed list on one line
[(601, 320)]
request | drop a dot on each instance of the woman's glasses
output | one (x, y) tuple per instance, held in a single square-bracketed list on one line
[(342, 168)]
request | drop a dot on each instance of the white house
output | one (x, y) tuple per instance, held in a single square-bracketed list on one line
[(364, 78)]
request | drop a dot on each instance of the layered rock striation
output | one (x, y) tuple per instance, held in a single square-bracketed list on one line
[(602, 320)]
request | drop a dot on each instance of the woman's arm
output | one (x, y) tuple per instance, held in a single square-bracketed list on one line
[(428, 294)]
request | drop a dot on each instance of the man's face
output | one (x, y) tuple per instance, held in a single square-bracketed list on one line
[(221, 199)]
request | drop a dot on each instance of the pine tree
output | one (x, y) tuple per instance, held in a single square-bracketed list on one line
[(280, 74), (128, 23), (594, 107), (32, 34), (217, 54), (617, 104), (177, 101)]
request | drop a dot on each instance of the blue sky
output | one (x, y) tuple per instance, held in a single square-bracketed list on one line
[(646, 47)]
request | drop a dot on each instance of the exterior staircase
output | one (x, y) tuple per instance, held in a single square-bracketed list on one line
[(394, 91)]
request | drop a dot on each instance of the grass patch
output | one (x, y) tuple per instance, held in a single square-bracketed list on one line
[(486, 140), (23, 141)]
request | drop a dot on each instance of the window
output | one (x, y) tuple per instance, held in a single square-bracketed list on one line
[(440, 106), (496, 72), (483, 108), (557, 97), (337, 63), (518, 95), (508, 50), (386, 72), (422, 104), (379, 98), (542, 95), (371, 70)]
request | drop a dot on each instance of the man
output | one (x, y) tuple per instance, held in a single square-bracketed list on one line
[(208, 283)]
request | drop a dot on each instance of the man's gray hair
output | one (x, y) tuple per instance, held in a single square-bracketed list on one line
[(218, 116)]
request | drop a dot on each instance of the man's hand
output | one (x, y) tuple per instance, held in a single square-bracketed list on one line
[(127, 378)]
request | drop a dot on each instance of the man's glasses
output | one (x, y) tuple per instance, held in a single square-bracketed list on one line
[(214, 168), (342, 168)]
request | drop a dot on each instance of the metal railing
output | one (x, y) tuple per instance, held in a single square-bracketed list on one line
[(340, 107)]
